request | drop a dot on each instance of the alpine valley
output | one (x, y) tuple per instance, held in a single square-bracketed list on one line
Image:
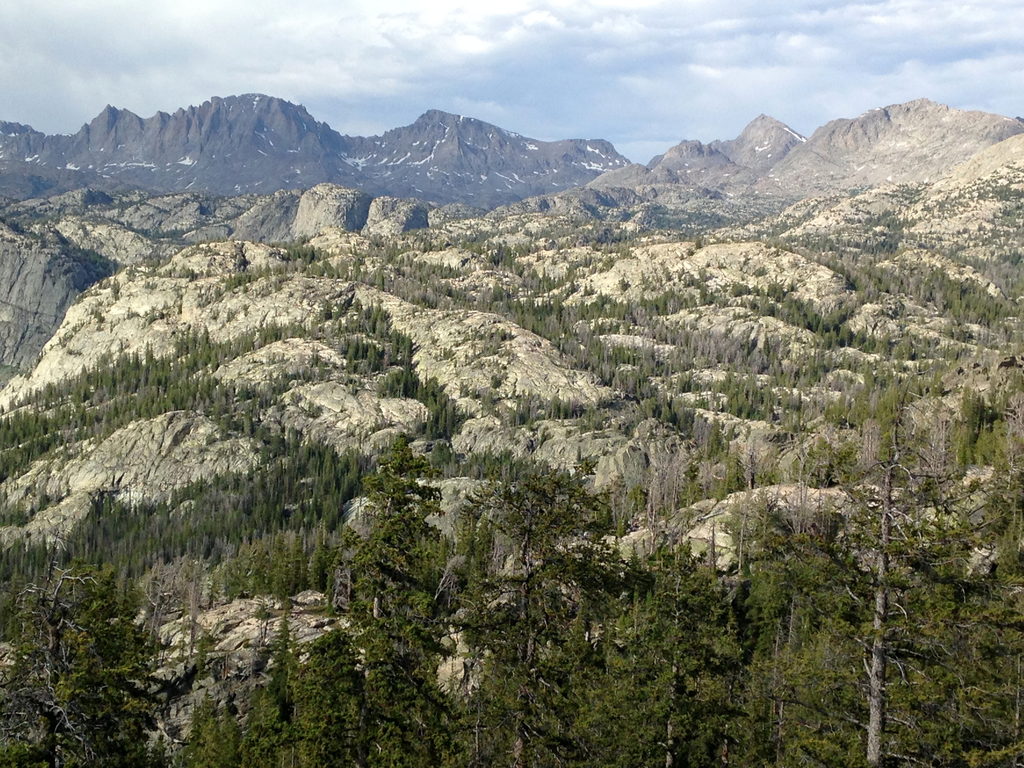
[(452, 447)]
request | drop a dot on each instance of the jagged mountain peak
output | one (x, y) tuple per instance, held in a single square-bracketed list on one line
[(763, 121), (438, 124), (441, 151), (688, 156), (764, 125), (440, 116), (15, 129), (258, 143), (762, 143)]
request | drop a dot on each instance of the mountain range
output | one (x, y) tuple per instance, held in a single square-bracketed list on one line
[(918, 141), (259, 144), (254, 143)]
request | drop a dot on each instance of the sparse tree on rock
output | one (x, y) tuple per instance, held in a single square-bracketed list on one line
[(75, 694)]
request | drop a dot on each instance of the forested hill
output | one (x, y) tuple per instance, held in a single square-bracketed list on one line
[(539, 488)]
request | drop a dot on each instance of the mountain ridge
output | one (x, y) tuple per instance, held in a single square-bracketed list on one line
[(258, 143), (916, 141)]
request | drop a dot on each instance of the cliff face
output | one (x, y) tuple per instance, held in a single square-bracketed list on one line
[(40, 277)]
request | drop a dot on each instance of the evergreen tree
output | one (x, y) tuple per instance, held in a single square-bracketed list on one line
[(75, 693), (328, 695), (671, 674), (214, 741), (267, 739), (403, 714), (531, 621)]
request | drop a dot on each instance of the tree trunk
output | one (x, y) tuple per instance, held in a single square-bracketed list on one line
[(670, 745), (879, 650)]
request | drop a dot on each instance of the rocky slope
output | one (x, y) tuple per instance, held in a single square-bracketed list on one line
[(53, 248), (41, 274), (971, 212), (255, 143), (918, 141), (537, 336)]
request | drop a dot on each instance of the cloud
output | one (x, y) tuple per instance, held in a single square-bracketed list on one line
[(643, 73)]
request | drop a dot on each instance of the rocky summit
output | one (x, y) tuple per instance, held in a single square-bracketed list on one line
[(918, 141)]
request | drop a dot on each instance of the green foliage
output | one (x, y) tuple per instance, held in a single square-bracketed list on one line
[(75, 693), (394, 614), (671, 674), (215, 739), (328, 695), (551, 584)]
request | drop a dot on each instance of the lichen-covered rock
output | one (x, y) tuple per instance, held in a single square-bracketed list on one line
[(288, 358), (221, 653), (142, 310), (122, 245), (651, 271), (327, 205), (329, 412), (144, 461), (476, 354), (40, 277)]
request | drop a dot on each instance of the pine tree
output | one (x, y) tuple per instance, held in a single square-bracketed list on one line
[(214, 741), (671, 673), (75, 694), (533, 617), (328, 696), (403, 714)]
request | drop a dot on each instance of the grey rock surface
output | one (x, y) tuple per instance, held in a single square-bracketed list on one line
[(40, 276)]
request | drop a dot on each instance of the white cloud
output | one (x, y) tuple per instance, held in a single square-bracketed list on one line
[(637, 72)]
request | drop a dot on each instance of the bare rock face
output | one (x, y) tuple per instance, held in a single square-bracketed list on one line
[(328, 412), (478, 354), (488, 434), (897, 317), (145, 461), (168, 215), (122, 245), (975, 210), (321, 400), (235, 657), (269, 219), (289, 358), (651, 270), (40, 276), (147, 309), (716, 529), (225, 145), (326, 205), (392, 216), (721, 165), (149, 459)]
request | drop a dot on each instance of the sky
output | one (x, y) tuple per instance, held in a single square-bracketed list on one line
[(644, 74)]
